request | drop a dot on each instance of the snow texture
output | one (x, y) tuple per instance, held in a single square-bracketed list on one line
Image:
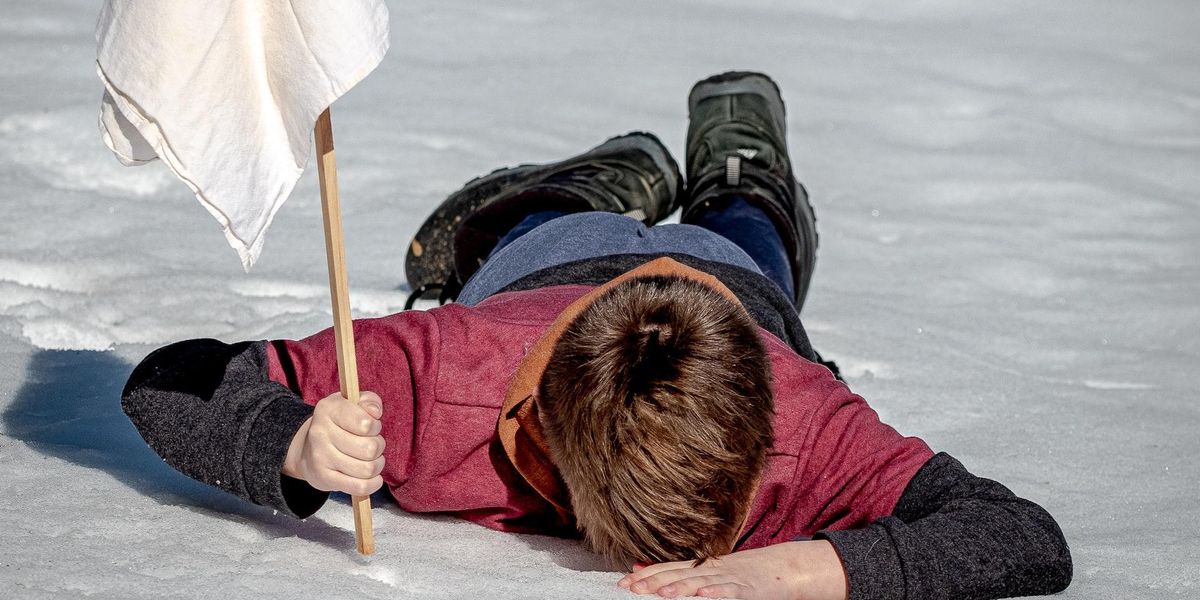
[(1010, 226)]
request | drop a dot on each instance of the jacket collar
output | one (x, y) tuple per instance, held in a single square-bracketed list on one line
[(520, 429)]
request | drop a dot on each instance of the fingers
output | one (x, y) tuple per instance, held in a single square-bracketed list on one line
[(372, 404), (653, 578), (354, 430), (340, 482), (360, 418), (357, 446), (677, 583), (693, 586), (343, 449), (722, 590), (358, 469), (643, 570), (345, 474)]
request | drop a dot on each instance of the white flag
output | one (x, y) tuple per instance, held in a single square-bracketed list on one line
[(226, 93)]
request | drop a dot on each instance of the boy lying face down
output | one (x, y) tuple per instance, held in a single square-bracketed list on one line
[(649, 387)]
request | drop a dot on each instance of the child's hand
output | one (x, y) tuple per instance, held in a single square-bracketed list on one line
[(795, 570), (340, 447)]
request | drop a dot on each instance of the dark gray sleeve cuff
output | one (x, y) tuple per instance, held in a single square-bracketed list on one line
[(265, 450), (873, 566)]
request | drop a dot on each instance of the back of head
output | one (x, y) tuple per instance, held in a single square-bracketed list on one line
[(657, 408)]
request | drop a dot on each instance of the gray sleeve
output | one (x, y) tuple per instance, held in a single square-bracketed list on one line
[(955, 536), (210, 411)]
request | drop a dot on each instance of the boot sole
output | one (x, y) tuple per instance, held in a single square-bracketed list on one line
[(728, 84), (429, 260), (430, 256)]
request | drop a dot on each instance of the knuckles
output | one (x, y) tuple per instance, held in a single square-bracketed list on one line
[(366, 488), (365, 470)]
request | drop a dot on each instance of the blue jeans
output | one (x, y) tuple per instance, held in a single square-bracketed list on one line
[(737, 233)]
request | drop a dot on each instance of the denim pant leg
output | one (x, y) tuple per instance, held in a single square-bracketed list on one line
[(753, 231)]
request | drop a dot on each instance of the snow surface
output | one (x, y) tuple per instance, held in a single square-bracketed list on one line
[(1007, 196)]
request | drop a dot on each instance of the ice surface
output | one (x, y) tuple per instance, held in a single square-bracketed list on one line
[(1007, 199)]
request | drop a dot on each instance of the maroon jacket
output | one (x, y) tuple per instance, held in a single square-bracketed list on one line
[(443, 375)]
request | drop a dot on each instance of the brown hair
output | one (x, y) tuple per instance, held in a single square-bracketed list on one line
[(657, 408)]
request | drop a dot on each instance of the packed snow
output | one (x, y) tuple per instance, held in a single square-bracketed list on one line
[(1010, 232)]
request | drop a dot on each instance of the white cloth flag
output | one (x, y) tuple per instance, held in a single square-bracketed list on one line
[(226, 93)]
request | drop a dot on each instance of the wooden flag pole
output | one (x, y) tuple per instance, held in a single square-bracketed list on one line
[(343, 332)]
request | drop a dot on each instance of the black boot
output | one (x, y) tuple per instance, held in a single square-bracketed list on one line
[(632, 174), (737, 146)]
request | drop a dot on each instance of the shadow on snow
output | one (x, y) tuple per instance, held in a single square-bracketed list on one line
[(70, 407)]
